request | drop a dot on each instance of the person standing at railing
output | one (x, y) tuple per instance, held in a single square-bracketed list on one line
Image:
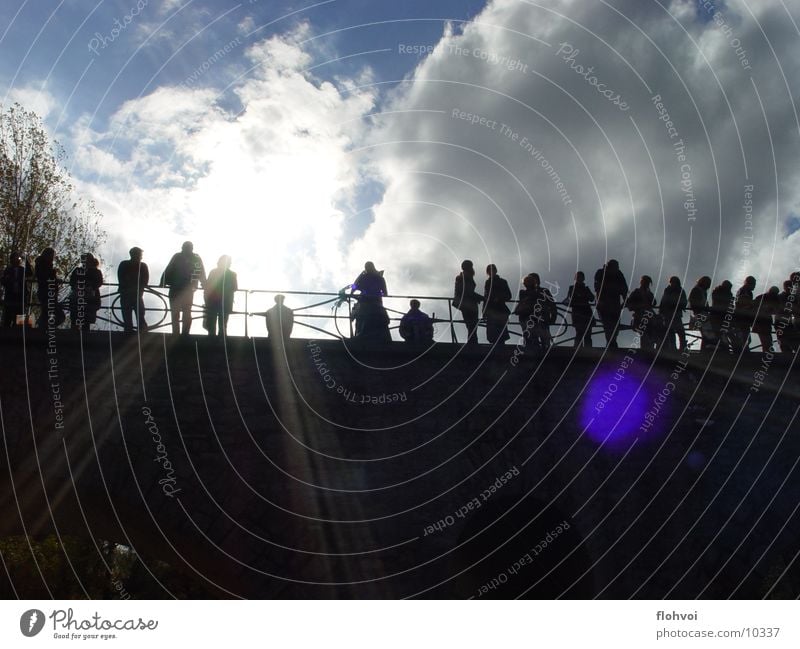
[(182, 275), (536, 309), (466, 300), (785, 322), (16, 292), (641, 303), (416, 327), (133, 277), (745, 314), (280, 321), (700, 320), (673, 304), (580, 300), (372, 321), (611, 290), (85, 300), (766, 305), (495, 295), (51, 315), (220, 288), (722, 307)]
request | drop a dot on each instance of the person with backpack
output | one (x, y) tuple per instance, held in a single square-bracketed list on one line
[(182, 275)]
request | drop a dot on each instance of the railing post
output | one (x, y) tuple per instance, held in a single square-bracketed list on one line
[(452, 324), (350, 318), (246, 314)]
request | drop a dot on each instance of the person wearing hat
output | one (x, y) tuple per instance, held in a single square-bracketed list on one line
[(133, 277)]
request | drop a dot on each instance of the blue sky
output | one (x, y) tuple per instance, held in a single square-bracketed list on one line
[(49, 40)]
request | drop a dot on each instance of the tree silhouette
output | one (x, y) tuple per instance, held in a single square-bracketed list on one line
[(38, 203)]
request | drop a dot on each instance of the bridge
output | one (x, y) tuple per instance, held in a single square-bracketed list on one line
[(321, 468), (328, 315)]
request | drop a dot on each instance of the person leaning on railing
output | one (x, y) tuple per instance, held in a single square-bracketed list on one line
[(133, 277), (182, 275), (536, 310), (466, 300), (416, 327), (673, 304), (580, 300), (496, 293), (372, 321), (51, 315), (16, 290), (280, 321), (700, 319), (220, 289)]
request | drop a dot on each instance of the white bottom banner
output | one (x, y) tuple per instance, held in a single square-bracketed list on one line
[(384, 625)]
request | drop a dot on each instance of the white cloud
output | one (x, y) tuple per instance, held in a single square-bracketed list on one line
[(573, 180), (455, 190), (35, 97), (264, 185)]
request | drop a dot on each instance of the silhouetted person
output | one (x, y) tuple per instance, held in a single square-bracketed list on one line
[(611, 290), (220, 288), (16, 292), (47, 283), (495, 295), (766, 306), (785, 325), (641, 302), (182, 275), (580, 300), (133, 277), (415, 326), (280, 321), (794, 279), (536, 310), (700, 319), (673, 304), (722, 302), (466, 300), (745, 314), (372, 321), (84, 300)]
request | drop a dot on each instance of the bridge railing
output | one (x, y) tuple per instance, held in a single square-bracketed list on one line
[(316, 314)]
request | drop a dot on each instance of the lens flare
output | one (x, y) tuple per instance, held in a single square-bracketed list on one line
[(618, 407)]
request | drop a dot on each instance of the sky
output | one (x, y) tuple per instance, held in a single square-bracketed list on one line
[(305, 138)]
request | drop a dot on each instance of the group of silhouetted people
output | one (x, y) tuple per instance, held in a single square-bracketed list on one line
[(183, 275), (726, 322), (722, 319)]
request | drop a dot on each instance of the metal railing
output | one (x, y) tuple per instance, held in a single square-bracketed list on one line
[(327, 314)]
